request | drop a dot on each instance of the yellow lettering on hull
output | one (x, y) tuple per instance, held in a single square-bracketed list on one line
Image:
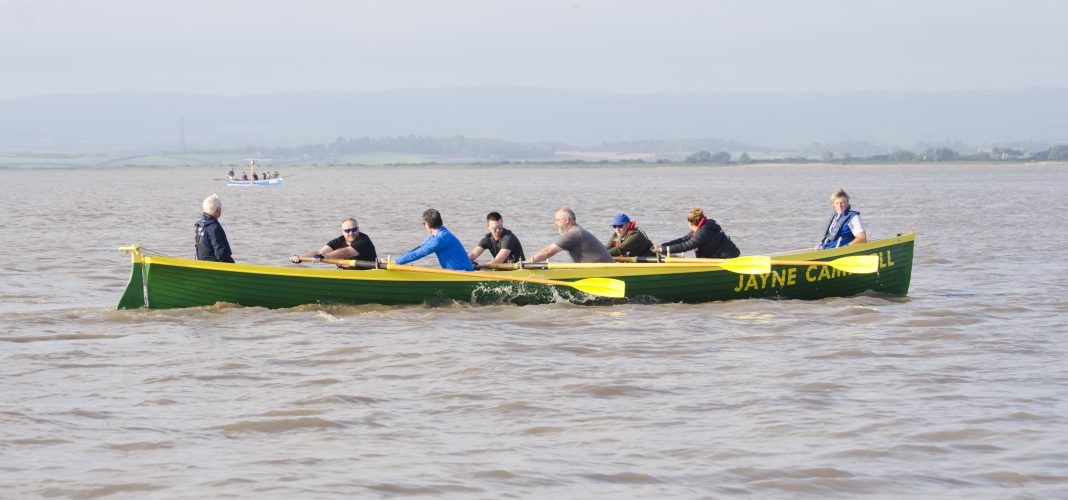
[(885, 259), (775, 279), (783, 278)]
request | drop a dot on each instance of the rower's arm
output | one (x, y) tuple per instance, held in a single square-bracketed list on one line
[(545, 253), (475, 252), (501, 257), (345, 252)]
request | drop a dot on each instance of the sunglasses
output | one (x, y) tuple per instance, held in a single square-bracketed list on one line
[(351, 230), (496, 228), (617, 226)]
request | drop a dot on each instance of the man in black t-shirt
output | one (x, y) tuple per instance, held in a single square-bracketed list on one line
[(503, 246), (352, 244)]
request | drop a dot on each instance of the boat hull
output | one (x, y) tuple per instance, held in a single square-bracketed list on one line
[(166, 282), (265, 182)]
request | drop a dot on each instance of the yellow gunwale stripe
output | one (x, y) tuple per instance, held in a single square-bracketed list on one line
[(384, 275)]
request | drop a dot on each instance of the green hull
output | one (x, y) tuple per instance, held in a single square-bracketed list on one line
[(166, 283)]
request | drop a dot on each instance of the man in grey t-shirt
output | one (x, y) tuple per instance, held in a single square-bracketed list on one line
[(580, 243)]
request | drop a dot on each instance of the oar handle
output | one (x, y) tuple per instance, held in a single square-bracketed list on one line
[(497, 267), (467, 274), (634, 260), (515, 266), (353, 263)]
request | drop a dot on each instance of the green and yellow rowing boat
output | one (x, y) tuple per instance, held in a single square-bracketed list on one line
[(159, 282)]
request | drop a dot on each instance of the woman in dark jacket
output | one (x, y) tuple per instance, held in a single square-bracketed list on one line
[(706, 239)]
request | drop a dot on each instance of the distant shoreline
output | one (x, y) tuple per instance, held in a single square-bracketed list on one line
[(6, 165)]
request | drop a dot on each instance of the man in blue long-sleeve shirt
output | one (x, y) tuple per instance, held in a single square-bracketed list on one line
[(450, 252)]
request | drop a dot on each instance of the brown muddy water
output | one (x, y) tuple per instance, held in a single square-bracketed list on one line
[(959, 390)]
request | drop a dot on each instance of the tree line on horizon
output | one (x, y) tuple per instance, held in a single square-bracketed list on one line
[(504, 150), (933, 154), (708, 151)]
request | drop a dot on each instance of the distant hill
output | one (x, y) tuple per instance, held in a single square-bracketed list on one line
[(149, 121)]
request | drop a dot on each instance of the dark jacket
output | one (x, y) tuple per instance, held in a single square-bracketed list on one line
[(707, 242), (634, 244), (210, 240)]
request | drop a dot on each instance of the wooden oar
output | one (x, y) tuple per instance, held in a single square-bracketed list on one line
[(594, 286), (611, 265), (755, 264), (858, 264), (747, 264)]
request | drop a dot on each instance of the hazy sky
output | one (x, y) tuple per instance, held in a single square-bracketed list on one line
[(265, 46)]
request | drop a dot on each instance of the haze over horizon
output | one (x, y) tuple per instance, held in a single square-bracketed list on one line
[(118, 75), (244, 47)]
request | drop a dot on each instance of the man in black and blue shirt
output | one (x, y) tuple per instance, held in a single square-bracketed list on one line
[(352, 244)]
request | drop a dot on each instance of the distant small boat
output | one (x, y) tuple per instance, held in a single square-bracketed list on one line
[(232, 180), (265, 182)]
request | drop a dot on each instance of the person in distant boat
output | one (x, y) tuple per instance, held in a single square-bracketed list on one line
[(274, 175), (627, 240), (230, 174), (442, 242), (352, 244), (244, 176), (209, 237), (706, 239), (255, 176), (503, 246), (845, 228), (581, 244)]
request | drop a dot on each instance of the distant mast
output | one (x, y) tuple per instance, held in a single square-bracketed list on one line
[(181, 135), (252, 166)]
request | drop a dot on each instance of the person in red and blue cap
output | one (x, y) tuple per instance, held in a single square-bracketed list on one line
[(628, 240)]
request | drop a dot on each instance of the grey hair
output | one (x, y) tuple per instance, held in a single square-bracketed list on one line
[(211, 204), (839, 194), (350, 219), (567, 211)]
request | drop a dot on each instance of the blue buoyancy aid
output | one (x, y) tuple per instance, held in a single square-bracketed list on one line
[(838, 233)]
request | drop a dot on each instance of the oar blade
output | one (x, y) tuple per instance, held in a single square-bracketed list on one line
[(749, 264), (604, 287), (860, 264)]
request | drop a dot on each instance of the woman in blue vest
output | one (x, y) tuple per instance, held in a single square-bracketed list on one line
[(844, 228)]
